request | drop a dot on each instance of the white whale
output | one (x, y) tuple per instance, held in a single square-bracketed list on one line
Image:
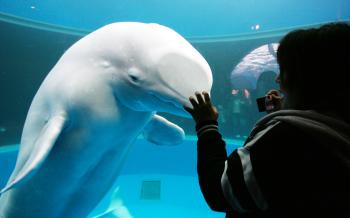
[(103, 92)]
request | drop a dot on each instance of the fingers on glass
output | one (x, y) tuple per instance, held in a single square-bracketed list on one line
[(188, 109), (206, 97), (193, 101), (199, 98)]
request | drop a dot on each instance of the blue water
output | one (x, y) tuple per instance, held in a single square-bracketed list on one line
[(29, 53), (188, 17), (173, 167)]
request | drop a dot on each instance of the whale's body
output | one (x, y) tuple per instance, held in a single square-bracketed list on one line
[(103, 92)]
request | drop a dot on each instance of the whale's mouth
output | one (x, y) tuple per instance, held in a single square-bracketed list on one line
[(170, 106), (168, 101)]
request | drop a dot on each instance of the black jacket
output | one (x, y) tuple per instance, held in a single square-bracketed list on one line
[(293, 164)]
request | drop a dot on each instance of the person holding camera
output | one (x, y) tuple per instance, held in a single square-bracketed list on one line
[(296, 160)]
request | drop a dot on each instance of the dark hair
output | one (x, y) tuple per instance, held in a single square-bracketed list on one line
[(316, 63)]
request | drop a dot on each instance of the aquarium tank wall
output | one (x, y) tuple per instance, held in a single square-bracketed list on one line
[(238, 39)]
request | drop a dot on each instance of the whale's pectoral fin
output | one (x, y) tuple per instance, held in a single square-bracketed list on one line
[(160, 131), (41, 148)]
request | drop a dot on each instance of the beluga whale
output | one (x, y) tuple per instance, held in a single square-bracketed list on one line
[(103, 92)]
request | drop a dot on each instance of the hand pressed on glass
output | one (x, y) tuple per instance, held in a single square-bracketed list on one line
[(202, 110)]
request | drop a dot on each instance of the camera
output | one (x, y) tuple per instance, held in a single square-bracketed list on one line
[(266, 104), (261, 102)]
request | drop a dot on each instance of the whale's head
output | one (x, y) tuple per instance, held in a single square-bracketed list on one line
[(159, 72)]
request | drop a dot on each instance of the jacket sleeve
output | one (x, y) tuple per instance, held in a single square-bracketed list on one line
[(211, 157), (221, 178)]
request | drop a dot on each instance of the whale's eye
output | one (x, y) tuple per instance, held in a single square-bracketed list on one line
[(134, 78), (134, 75)]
